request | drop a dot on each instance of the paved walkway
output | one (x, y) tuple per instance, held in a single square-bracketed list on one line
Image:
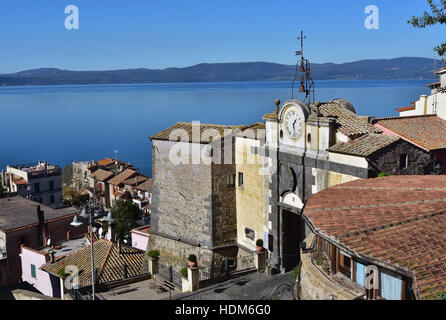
[(253, 286), (143, 290)]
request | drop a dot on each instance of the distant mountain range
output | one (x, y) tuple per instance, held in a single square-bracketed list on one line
[(398, 68)]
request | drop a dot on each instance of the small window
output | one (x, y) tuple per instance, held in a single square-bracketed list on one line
[(51, 198), (51, 185), (37, 187), (33, 271), (281, 134), (250, 234), (240, 179), (309, 138), (230, 180), (403, 161)]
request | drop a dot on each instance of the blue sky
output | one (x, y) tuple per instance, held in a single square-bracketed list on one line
[(158, 34)]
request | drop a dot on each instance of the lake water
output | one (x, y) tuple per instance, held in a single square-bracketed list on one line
[(62, 124)]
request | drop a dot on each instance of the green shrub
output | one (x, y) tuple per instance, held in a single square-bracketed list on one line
[(295, 273), (183, 272), (153, 253), (441, 295), (192, 258), (259, 243), (383, 174), (62, 274)]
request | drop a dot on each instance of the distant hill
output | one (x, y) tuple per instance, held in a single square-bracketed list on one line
[(398, 68)]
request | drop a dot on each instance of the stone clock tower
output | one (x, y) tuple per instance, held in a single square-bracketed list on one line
[(297, 138)]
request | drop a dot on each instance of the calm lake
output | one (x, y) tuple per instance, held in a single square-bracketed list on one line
[(62, 124)]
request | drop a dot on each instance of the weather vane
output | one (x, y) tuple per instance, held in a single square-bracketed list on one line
[(306, 82)]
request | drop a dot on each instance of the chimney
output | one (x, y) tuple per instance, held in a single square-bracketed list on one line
[(68, 235), (40, 226), (51, 256)]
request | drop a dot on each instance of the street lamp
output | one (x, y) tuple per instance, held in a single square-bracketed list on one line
[(86, 212)]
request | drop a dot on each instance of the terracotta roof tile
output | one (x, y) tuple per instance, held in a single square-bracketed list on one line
[(175, 132), (349, 123), (364, 146), (107, 259), (101, 175), (428, 131), (121, 177), (399, 220)]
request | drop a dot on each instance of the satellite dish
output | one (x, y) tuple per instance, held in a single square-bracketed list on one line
[(125, 240), (48, 242), (100, 231)]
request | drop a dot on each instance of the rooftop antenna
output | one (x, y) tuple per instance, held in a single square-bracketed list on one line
[(306, 82)]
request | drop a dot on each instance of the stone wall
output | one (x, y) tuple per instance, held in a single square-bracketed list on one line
[(175, 253), (315, 285), (388, 160), (224, 220), (182, 202)]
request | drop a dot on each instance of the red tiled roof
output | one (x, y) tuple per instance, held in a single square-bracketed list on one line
[(106, 258), (405, 108), (101, 175), (364, 146), (428, 131), (20, 182), (121, 177), (105, 161), (399, 220), (206, 132), (349, 123), (145, 186)]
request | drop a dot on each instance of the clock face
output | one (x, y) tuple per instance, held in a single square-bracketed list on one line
[(293, 124)]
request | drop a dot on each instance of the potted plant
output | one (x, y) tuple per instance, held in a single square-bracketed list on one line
[(154, 254), (259, 245), (192, 261), (183, 272)]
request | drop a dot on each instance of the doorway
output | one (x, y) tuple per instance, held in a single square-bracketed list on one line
[(293, 232)]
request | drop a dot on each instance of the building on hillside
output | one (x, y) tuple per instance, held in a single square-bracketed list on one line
[(24, 222), (315, 146), (140, 237), (427, 133), (382, 154), (196, 185), (379, 238), (435, 103), (81, 173), (140, 188), (116, 184), (116, 265), (41, 182), (99, 186)]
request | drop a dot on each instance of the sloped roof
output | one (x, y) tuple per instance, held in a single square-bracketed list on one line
[(364, 146), (205, 131), (145, 186), (136, 180), (428, 131), (101, 175), (107, 259), (348, 122), (121, 177), (399, 220), (19, 212)]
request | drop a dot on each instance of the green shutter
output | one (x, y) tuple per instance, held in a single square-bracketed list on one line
[(33, 271)]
